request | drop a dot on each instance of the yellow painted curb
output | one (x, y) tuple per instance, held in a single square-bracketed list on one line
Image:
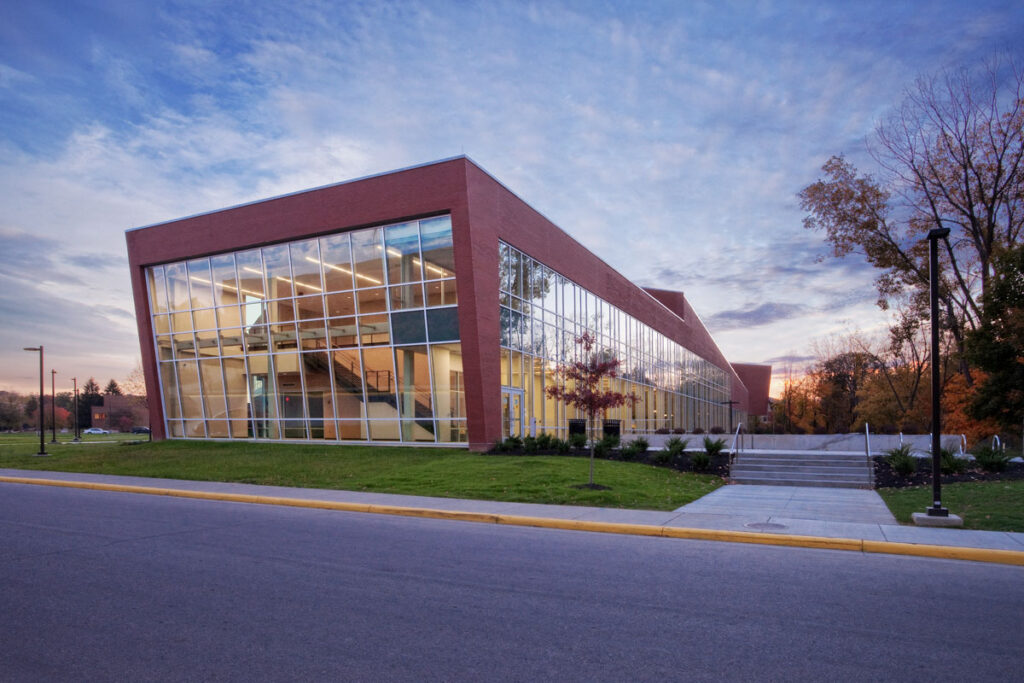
[(1011, 557)]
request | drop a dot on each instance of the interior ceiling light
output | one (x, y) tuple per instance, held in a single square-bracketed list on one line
[(343, 270), (223, 286)]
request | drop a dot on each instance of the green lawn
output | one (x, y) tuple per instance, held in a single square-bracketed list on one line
[(987, 505), (452, 473)]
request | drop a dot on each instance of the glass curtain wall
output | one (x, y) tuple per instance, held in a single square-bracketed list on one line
[(542, 314), (351, 337)]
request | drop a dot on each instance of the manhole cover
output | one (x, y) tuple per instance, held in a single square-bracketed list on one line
[(765, 526)]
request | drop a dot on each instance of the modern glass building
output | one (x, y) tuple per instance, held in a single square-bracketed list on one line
[(428, 305)]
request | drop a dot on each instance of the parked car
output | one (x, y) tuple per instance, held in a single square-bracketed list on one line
[(140, 430), (95, 430)]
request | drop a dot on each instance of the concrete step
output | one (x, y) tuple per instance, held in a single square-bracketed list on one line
[(824, 464), (802, 482), (823, 457), (799, 463), (818, 472), (796, 474), (779, 468)]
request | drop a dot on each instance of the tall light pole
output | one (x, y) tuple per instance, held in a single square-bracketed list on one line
[(936, 510), (75, 380), (53, 405), (42, 443)]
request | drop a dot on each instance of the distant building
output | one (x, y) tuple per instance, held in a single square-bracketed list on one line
[(120, 413), (427, 305)]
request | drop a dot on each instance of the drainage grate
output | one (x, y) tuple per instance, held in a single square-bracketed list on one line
[(765, 526)]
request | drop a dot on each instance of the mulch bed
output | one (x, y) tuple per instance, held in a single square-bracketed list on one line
[(719, 464), (886, 478)]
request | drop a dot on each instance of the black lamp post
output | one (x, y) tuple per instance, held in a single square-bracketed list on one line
[(936, 510), (75, 380), (53, 405), (42, 443)]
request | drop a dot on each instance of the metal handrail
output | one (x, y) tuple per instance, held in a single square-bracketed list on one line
[(997, 443), (963, 444), (736, 437), (867, 451)]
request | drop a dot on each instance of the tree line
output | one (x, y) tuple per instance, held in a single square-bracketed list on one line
[(950, 156), (21, 411)]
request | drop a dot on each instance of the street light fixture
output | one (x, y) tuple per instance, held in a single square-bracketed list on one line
[(77, 438), (936, 510), (53, 405), (936, 515), (42, 443)]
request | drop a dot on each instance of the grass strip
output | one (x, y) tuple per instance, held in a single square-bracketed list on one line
[(441, 472), (984, 505)]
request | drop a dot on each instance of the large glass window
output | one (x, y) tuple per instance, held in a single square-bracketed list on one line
[(333, 338), (540, 316)]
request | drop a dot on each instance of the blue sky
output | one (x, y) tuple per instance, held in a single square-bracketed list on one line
[(670, 138)]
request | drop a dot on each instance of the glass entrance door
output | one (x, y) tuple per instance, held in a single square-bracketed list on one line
[(512, 412)]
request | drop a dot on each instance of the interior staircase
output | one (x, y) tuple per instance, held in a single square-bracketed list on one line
[(835, 469)]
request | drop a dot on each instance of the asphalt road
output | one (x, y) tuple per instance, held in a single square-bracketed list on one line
[(113, 586)]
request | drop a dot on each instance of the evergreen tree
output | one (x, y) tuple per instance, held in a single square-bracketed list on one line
[(113, 388), (90, 397)]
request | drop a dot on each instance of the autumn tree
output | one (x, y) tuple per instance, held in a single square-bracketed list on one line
[(997, 346), (951, 156), (583, 385)]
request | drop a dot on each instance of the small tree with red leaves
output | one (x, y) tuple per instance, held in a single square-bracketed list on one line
[(581, 386)]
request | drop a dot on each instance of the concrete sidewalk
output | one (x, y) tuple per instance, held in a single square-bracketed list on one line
[(752, 510)]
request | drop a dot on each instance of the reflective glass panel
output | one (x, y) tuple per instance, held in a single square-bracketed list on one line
[(279, 273), (250, 273), (348, 384), (200, 283), (306, 267), (340, 304), (368, 257), (225, 284), (177, 286), (438, 254), (337, 260), (402, 245), (157, 290), (372, 300)]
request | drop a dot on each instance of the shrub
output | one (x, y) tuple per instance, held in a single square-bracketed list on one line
[(675, 446), (561, 446), (713, 447), (678, 430), (901, 460), (634, 449), (698, 430), (578, 441), (544, 441), (950, 464), (606, 445), (700, 461), (498, 447), (661, 430), (662, 457), (716, 430), (512, 443), (529, 444), (990, 459)]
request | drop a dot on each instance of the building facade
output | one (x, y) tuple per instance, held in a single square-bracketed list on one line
[(429, 306)]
